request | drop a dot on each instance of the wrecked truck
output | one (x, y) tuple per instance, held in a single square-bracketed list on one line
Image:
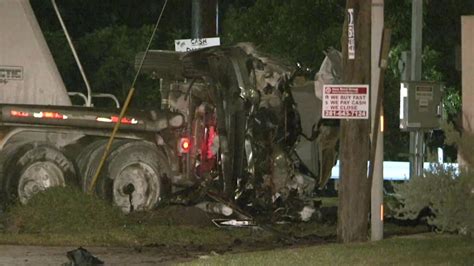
[(228, 128), (245, 128)]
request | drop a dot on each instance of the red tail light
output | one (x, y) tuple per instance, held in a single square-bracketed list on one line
[(125, 120), (184, 145), (40, 115), (115, 119), (52, 115), (15, 113)]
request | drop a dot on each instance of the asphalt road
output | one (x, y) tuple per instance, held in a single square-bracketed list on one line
[(39, 255)]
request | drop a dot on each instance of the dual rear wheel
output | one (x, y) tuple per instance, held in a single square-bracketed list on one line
[(131, 178), (28, 168)]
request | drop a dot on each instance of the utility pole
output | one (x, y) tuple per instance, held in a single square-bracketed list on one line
[(205, 19), (467, 42), (354, 191), (416, 137)]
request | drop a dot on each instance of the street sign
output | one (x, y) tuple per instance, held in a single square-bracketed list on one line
[(345, 102), (186, 45)]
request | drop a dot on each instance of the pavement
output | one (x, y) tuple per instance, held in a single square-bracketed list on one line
[(41, 255)]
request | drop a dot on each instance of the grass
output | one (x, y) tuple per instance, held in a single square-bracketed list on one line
[(63, 210), (66, 216), (427, 249), (328, 201), (155, 235)]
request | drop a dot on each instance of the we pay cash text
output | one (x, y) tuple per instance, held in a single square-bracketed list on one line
[(345, 102)]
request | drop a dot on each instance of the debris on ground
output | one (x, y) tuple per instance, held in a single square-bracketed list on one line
[(233, 223), (215, 207), (82, 257)]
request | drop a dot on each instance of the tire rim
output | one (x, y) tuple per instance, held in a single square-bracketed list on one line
[(38, 177), (145, 182)]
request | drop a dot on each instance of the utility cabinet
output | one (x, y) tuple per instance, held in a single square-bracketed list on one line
[(420, 105)]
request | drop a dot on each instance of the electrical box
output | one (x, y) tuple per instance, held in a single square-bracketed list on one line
[(420, 105)]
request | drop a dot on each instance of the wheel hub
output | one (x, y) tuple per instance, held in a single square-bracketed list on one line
[(145, 183), (38, 177)]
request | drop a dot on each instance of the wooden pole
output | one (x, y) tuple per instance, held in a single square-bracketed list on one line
[(354, 192)]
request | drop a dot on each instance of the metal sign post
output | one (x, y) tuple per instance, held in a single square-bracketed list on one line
[(380, 42)]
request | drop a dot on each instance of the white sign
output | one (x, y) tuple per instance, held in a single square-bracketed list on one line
[(350, 34), (346, 102), (187, 45)]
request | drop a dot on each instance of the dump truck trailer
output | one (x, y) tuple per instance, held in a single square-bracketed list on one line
[(45, 141)]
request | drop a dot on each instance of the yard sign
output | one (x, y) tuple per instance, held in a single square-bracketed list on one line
[(345, 102)]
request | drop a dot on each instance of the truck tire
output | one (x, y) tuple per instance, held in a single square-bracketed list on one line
[(5, 155), (34, 167), (132, 174), (88, 160)]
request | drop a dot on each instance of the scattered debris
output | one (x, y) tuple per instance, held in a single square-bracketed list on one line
[(215, 207), (233, 223), (306, 213), (211, 254), (82, 257)]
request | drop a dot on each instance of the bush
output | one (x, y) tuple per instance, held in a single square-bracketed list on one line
[(448, 193)]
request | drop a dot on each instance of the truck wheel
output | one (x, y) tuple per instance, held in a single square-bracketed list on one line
[(132, 175), (88, 160), (34, 167), (137, 170), (5, 156)]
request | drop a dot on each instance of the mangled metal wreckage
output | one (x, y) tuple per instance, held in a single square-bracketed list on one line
[(244, 135)]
